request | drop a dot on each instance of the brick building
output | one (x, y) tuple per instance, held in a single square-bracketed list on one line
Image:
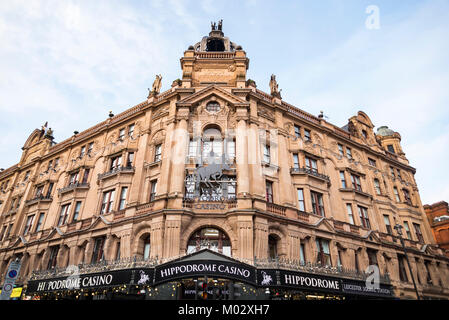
[(214, 169), (438, 215)]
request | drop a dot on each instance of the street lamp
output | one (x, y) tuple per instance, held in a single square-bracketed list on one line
[(398, 229)]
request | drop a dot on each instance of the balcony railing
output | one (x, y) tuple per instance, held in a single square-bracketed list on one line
[(73, 186), (276, 209), (316, 268), (114, 171), (310, 172), (39, 198)]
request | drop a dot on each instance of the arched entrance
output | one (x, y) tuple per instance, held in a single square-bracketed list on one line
[(209, 238)]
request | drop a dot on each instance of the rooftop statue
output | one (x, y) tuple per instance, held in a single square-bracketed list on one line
[(275, 92), (156, 85)]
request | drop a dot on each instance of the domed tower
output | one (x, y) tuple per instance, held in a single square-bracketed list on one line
[(214, 60), (390, 140)]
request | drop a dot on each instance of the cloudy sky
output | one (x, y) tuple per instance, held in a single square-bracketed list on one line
[(70, 62)]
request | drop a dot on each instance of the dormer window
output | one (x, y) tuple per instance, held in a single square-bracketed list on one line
[(390, 148), (90, 147), (121, 134), (364, 134), (131, 130), (213, 106), (83, 151)]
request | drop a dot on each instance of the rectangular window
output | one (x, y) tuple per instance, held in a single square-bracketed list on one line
[(348, 153), (297, 131), (3, 232), (9, 230), (402, 271), (266, 154), (130, 161), (302, 254), (231, 149), (193, 147), (295, 161), (53, 257), (56, 163), (396, 194), (418, 232), (158, 153), (82, 152), (372, 257), (324, 256), (76, 213), (13, 201), (307, 136), (40, 221), (428, 275), (311, 164), (407, 230), (377, 186), (28, 225), (387, 224), (301, 200), (153, 190), (50, 189), (407, 197), (27, 175), (372, 162), (317, 203), (350, 213), (65, 209), (364, 219), (108, 201), (116, 162), (356, 261), (19, 199), (121, 134), (98, 253), (90, 148), (399, 174), (131, 130), (85, 175), (39, 191), (340, 150), (343, 180), (49, 164), (122, 202), (356, 185), (117, 252), (390, 148), (392, 172), (269, 191), (73, 178)]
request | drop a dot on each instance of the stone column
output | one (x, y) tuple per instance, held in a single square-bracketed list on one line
[(294, 245), (108, 244), (125, 245), (88, 251), (172, 235), (285, 178), (157, 237), (242, 161), (165, 175), (138, 184), (260, 238), (178, 160), (245, 237)]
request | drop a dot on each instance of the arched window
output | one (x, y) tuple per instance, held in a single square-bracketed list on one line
[(146, 247), (272, 246), (212, 147), (209, 238)]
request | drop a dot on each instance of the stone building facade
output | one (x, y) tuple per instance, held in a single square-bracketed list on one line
[(438, 215), (268, 180)]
